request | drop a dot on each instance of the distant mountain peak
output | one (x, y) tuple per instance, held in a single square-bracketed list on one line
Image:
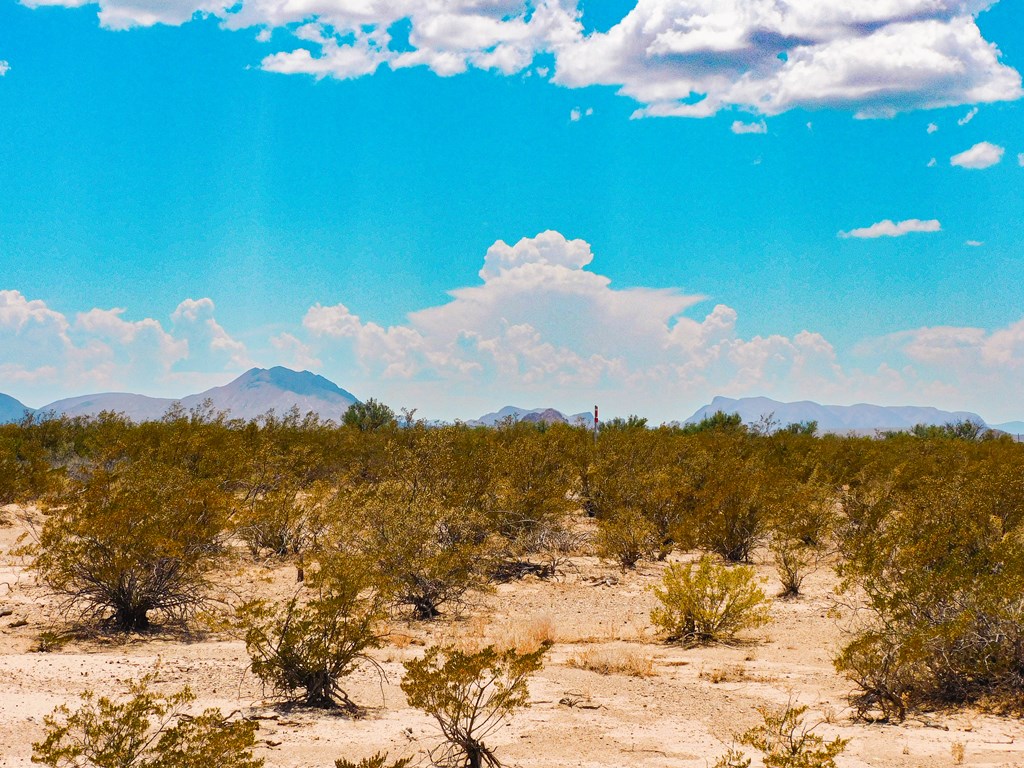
[(862, 417), (299, 382), (252, 394)]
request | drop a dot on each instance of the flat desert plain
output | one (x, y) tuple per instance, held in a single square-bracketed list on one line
[(668, 707)]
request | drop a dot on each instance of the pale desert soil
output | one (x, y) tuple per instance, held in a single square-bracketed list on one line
[(681, 717)]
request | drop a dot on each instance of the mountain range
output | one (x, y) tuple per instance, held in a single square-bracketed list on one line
[(252, 394), (259, 390), (549, 415), (862, 417)]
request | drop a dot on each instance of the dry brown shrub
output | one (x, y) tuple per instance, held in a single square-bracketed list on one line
[(613, 661)]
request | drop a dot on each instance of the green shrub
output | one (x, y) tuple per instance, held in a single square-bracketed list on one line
[(627, 537), (784, 741), (942, 575), (145, 730), (469, 695), (707, 602), (130, 539), (306, 645)]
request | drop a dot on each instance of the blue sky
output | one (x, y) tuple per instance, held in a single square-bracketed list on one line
[(190, 188)]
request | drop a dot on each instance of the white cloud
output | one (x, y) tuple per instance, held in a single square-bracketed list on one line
[(932, 128), (968, 117), (575, 115), (675, 57), (695, 57), (739, 127), (888, 228), (540, 327), (933, 162), (194, 320), (294, 353), (102, 349), (981, 155), (974, 243), (4, 67), (1020, 159)]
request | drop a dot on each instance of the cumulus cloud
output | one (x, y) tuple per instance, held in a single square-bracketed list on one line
[(102, 349), (981, 155), (675, 57), (968, 117), (739, 127), (695, 57), (194, 320), (888, 228), (294, 353), (932, 128), (4, 67)]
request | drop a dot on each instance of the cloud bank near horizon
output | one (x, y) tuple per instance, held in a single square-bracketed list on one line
[(687, 58), (542, 327)]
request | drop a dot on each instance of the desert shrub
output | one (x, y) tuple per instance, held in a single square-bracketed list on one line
[(29, 455), (131, 539), (380, 760), (426, 545), (146, 730), (637, 474), (785, 741), (529, 481), (627, 537), (793, 560), (613, 661), (280, 499), (728, 494), (369, 416), (305, 646), (706, 602), (469, 695), (943, 579)]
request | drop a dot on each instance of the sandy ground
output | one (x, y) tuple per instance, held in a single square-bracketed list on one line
[(682, 716)]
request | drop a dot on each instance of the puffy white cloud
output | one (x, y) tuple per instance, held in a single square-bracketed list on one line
[(102, 349), (675, 57), (739, 127), (888, 228), (194, 320), (295, 353), (4, 67), (932, 163), (971, 114), (981, 155), (695, 57), (932, 128)]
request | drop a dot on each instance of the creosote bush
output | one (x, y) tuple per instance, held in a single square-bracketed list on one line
[(706, 602), (469, 695), (146, 730), (942, 569), (132, 538), (305, 646), (784, 741)]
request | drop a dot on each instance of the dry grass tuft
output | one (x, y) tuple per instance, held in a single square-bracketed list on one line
[(613, 661)]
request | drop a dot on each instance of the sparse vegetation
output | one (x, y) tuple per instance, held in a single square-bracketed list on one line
[(707, 602), (132, 538), (469, 695), (785, 741), (145, 730), (304, 647)]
